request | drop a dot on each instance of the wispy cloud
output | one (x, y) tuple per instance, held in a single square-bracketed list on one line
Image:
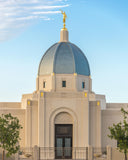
[(15, 15)]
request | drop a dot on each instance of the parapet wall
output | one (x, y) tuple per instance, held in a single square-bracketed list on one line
[(116, 105), (6, 105)]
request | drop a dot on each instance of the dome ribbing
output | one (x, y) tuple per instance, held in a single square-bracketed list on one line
[(64, 58)]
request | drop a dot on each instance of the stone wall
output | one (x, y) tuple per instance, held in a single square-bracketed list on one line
[(10, 105), (108, 117)]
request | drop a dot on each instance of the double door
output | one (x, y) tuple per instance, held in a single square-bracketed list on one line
[(63, 141)]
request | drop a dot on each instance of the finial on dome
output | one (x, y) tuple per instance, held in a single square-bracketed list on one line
[(64, 19), (64, 31)]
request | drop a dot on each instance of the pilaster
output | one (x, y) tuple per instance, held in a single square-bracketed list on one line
[(41, 119), (28, 141)]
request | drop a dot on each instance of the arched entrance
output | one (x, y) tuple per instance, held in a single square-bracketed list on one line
[(63, 136)]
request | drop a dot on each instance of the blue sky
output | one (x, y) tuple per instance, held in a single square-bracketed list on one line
[(29, 28)]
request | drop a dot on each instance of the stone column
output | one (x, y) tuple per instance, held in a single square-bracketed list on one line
[(90, 153), (37, 83), (109, 153), (53, 82), (75, 81), (90, 84), (36, 153)]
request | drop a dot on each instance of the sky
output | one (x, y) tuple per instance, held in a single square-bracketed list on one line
[(29, 27)]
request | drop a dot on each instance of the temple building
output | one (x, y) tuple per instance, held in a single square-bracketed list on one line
[(63, 111)]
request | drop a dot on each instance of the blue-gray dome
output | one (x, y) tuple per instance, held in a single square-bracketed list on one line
[(64, 58)]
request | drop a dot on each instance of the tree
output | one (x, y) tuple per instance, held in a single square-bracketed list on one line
[(9, 134), (119, 132)]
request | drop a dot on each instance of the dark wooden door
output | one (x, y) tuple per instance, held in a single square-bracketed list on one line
[(63, 141)]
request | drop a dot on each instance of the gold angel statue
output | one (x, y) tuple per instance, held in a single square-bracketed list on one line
[(64, 17)]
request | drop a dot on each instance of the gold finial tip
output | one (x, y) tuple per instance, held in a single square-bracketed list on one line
[(64, 19)]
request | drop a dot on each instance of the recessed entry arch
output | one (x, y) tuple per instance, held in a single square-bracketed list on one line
[(58, 116)]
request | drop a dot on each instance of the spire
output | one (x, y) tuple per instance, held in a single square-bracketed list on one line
[(64, 31)]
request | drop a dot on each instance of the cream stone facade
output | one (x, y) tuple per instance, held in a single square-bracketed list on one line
[(63, 111)]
